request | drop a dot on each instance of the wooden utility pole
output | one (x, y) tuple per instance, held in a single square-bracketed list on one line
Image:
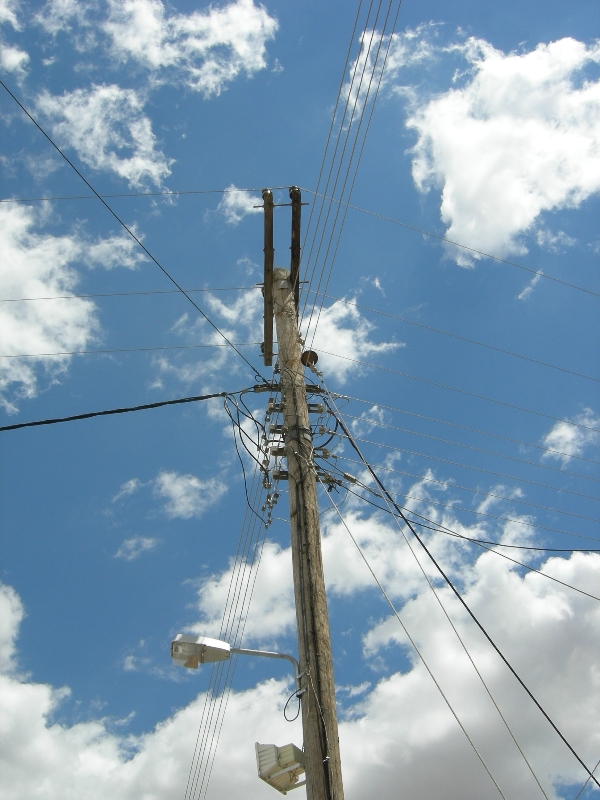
[(319, 717)]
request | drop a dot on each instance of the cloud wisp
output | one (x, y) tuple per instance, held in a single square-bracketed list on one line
[(570, 440)]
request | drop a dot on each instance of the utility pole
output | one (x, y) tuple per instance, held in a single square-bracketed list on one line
[(319, 717)]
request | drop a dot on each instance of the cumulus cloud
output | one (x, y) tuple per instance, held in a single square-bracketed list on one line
[(43, 265), (204, 49), (518, 138), (38, 265), (13, 59), (343, 331), (134, 547), (107, 128), (11, 615), (395, 735), (186, 495), (570, 440), (236, 203)]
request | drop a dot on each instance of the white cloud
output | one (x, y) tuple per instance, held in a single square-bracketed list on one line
[(187, 496), (342, 330), (57, 15), (204, 49), (119, 250), (8, 13), (520, 137), (524, 294), (109, 131), (11, 615), (42, 265), (12, 59), (407, 49), (236, 203), (134, 547), (554, 242), (38, 265), (128, 488), (570, 440), (397, 736)]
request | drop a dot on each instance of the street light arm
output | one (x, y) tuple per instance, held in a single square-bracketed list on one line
[(268, 654)]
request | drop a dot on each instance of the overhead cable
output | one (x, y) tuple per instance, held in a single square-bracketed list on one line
[(132, 234), (181, 400), (461, 599), (129, 350), (461, 338), (467, 428), (437, 528), (377, 424), (166, 193), (454, 389), (414, 644), (127, 294), (451, 485), (470, 466), (458, 244)]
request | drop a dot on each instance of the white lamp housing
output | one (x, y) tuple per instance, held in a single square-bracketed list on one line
[(190, 651), (280, 767)]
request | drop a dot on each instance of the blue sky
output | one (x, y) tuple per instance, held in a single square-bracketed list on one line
[(119, 532)]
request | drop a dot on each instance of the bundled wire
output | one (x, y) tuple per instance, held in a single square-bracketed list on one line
[(244, 570), (400, 512), (344, 149)]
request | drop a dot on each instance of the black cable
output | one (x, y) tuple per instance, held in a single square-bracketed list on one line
[(454, 389), (451, 484), (456, 244), (449, 532), (114, 411), (131, 233), (467, 428), (475, 469), (459, 337), (461, 600), (377, 424), (436, 526), (127, 294), (166, 193), (292, 719), (129, 350)]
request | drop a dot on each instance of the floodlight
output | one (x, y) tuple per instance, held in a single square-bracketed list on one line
[(190, 651), (280, 767)]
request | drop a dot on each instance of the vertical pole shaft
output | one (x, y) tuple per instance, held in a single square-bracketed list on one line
[(319, 718), (296, 198), (268, 278)]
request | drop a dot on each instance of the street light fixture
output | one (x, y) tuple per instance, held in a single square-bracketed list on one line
[(191, 651), (280, 767)]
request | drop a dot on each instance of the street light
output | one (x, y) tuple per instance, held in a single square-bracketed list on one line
[(191, 651), (280, 767)]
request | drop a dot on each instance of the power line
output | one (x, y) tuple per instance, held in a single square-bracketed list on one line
[(478, 449), (452, 485), (128, 350), (469, 466), (454, 389), (130, 232), (127, 294), (480, 543), (166, 193), (466, 427), (194, 399), (413, 643), (458, 595), (458, 244), (462, 338)]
